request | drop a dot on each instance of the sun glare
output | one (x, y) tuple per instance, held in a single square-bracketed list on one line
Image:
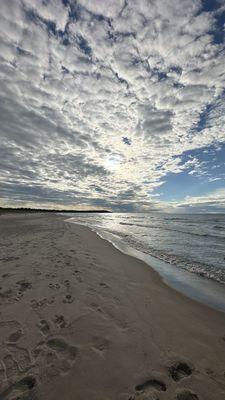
[(112, 163)]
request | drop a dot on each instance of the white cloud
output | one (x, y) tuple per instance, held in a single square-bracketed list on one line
[(53, 10), (76, 80), (109, 9), (214, 201)]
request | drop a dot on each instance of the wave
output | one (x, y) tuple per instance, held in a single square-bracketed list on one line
[(201, 269), (195, 243), (204, 270), (219, 227), (209, 235)]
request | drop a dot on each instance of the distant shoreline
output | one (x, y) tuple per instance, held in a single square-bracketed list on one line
[(41, 210)]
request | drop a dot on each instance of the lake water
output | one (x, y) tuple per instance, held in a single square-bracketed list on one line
[(184, 248)]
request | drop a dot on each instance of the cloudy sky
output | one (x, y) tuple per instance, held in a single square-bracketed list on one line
[(116, 104)]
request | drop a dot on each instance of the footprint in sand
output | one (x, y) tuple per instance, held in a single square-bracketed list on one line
[(100, 344), (44, 327), (55, 366), (6, 276), (6, 326), (152, 383), (68, 263), (54, 357), (77, 274), (54, 285), (209, 371), (37, 272), (179, 370), (51, 300), (186, 394), (62, 348), (15, 336), (68, 299), (103, 284), (11, 368), (42, 303), (60, 321), (2, 373), (21, 390), (24, 285), (6, 296), (51, 275), (19, 294), (76, 271), (150, 388), (21, 356), (73, 251)]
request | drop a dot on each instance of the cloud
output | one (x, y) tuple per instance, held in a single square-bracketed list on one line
[(108, 9), (214, 202), (79, 80)]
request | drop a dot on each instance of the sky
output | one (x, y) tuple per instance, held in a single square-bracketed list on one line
[(114, 104)]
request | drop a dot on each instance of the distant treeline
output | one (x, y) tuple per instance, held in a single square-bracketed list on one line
[(44, 210)]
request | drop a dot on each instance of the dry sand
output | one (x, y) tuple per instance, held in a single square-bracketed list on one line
[(81, 321)]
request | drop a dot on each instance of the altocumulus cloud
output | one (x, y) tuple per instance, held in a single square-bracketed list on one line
[(80, 79)]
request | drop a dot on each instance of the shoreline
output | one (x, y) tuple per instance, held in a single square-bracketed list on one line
[(191, 285), (87, 321)]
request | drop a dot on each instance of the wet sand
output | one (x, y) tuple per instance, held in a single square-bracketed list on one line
[(79, 320)]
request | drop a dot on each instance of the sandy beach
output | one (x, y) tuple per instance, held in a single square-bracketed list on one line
[(79, 320)]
